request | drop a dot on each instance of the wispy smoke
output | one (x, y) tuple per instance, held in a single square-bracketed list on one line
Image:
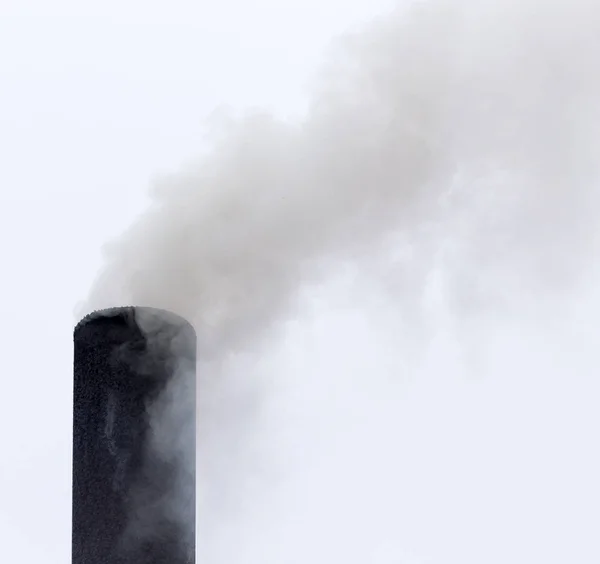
[(450, 152)]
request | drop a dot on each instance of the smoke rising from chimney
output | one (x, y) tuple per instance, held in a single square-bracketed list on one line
[(464, 134)]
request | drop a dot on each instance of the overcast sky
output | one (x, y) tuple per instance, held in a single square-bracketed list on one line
[(482, 457), (96, 99)]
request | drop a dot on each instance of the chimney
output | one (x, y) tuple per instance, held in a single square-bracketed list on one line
[(134, 438)]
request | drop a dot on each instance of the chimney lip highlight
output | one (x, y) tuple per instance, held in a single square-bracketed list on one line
[(129, 314)]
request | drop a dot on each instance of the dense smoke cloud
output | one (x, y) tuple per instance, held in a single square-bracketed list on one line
[(449, 154), (487, 106)]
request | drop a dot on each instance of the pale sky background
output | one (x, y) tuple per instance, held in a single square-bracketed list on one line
[(95, 101)]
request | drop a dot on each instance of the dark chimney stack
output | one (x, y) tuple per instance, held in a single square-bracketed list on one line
[(134, 438)]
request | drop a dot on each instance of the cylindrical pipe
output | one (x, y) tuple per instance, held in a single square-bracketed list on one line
[(134, 438)]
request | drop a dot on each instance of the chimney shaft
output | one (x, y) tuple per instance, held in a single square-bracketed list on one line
[(134, 438)]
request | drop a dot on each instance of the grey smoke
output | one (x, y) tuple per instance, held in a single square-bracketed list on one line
[(450, 156)]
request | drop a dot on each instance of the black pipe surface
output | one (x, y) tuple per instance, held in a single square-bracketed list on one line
[(134, 438)]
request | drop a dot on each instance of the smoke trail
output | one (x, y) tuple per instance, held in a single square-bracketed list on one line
[(448, 88), (463, 134)]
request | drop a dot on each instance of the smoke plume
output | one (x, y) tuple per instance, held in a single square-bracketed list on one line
[(449, 161)]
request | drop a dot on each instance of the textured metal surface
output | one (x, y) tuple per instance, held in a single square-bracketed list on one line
[(133, 445)]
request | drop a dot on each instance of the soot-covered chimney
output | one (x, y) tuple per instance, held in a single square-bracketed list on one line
[(129, 481)]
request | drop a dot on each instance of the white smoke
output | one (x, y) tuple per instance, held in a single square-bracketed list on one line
[(449, 161)]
